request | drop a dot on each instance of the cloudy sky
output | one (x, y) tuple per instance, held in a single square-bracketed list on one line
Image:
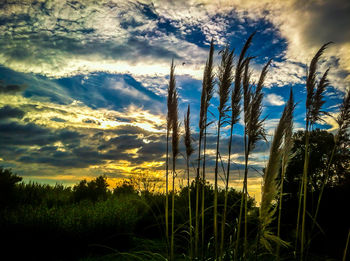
[(83, 83)]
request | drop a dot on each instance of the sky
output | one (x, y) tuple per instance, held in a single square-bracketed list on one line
[(83, 83)]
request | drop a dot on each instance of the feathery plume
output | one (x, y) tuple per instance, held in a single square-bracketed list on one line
[(318, 101), (225, 78), (171, 90), (343, 119), (187, 138), (255, 124), (311, 81), (270, 186)]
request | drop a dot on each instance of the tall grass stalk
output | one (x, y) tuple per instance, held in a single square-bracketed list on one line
[(203, 195), (189, 151), (225, 78), (343, 121), (175, 150), (235, 111), (245, 80), (314, 102), (209, 91), (253, 131), (279, 149), (171, 88), (201, 129), (346, 246), (287, 147), (246, 101)]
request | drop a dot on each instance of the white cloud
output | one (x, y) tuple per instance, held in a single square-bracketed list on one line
[(274, 100)]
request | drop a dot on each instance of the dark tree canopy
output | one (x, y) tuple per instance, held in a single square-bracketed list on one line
[(8, 181), (329, 234), (321, 145)]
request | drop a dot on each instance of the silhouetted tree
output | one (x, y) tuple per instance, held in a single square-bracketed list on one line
[(125, 188), (93, 190), (8, 181), (329, 234)]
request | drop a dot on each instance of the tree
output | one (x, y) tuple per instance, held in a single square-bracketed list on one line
[(332, 218), (320, 143), (93, 190), (125, 188), (8, 181)]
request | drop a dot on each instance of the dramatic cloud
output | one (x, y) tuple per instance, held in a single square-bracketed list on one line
[(83, 84)]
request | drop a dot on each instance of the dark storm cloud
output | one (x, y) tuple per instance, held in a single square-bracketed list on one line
[(18, 140), (329, 21), (10, 112), (30, 134), (10, 88), (64, 160), (129, 129), (124, 142)]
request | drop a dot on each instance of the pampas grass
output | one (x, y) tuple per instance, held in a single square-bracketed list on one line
[(207, 94), (171, 89), (253, 132), (189, 151), (346, 246), (287, 147), (209, 91), (279, 153), (314, 102), (225, 79), (236, 96), (175, 150), (343, 121)]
